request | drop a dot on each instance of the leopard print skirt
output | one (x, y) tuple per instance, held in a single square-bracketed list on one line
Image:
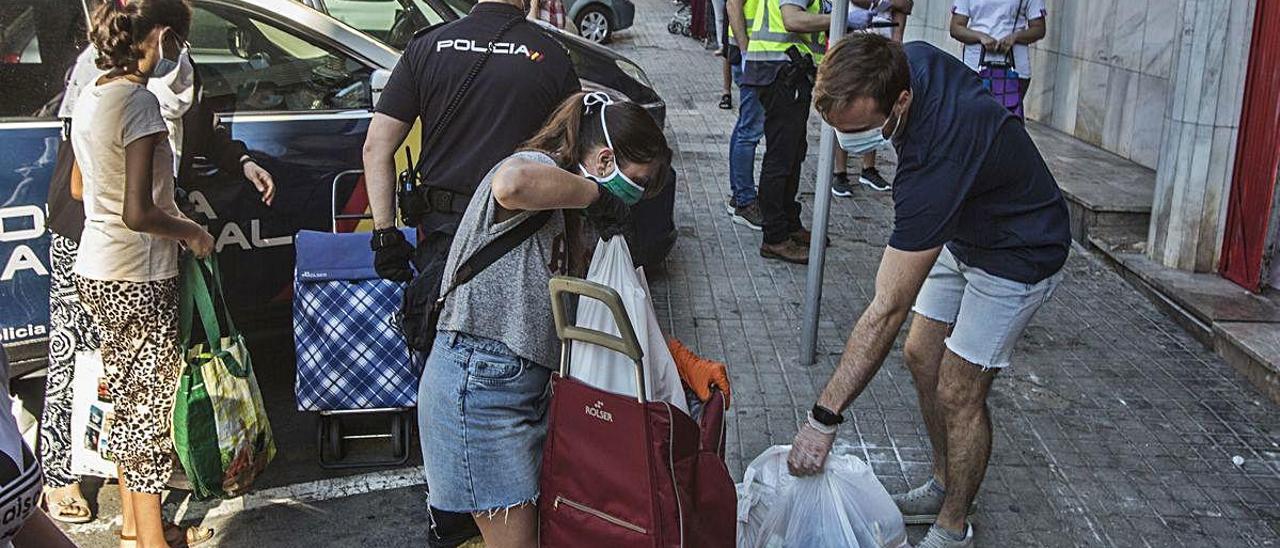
[(142, 359)]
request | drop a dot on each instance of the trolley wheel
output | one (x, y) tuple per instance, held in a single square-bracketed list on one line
[(399, 435), (333, 430), (673, 27), (686, 30)]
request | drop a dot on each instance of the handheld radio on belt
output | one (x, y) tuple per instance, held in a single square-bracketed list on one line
[(411, 187)]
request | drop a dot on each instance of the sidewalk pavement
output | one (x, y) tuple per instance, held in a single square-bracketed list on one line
[(1112, 428)]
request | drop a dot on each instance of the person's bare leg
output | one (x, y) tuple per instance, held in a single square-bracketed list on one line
[(514, 528), (726, 73), (869, 160), (149, 520), (129, 529), (841, 162), (962, 397), (923, 355)]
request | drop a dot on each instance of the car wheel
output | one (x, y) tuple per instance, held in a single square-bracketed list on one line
[(593, 24)]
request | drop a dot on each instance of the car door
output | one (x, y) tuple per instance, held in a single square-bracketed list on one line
[(37, 45), (301, 105)]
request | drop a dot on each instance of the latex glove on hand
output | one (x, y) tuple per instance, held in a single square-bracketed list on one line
[(700, 374), (859, 18), (393, 261), (810, 448), (608, 215)]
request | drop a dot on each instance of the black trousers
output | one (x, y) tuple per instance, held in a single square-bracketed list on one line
[(786, 123)]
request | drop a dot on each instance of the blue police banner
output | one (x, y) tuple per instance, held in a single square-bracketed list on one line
[(27, 153)]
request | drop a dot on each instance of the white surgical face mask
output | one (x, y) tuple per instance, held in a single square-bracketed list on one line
[(164, 65), (175, 90), (867, 140)]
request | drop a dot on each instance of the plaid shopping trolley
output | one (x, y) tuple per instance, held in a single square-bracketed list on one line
[(351, 355)]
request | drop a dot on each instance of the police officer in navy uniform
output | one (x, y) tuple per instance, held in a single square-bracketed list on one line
[(526, 76)]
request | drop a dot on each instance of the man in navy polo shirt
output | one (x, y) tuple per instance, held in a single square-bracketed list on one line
[(979, 239)]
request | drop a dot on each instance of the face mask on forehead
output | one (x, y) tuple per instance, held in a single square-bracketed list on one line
[(616, 182)]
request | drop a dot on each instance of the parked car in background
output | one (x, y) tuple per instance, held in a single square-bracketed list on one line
[(294, 84), (597, 20)]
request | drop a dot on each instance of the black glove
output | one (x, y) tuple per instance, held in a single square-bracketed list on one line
[(392, 255), (609, 215)]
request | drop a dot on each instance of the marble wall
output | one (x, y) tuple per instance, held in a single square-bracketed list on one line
[(1103, 72), (1198, 150), (1159, 82)]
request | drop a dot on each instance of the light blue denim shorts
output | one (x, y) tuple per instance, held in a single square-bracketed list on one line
[(988, 313), (482, 414)]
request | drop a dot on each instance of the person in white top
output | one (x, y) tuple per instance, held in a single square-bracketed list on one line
[(23, 524), (127, 267), (1000, 28), (72, 332)]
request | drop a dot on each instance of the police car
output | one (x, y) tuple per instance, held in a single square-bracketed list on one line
[(294, 84)]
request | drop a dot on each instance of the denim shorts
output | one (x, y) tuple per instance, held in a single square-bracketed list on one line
[(988, 312), (482, 414)]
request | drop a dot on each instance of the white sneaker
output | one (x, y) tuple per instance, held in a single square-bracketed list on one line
[(937, 538)]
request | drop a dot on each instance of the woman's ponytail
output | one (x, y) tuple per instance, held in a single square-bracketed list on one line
[(559, 136)]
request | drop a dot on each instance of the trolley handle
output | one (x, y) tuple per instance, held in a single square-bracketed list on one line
[(626, 343), (346, 177)]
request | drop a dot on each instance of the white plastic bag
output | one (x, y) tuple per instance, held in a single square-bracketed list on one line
[(612, 371), (92, 414), (844, 507)]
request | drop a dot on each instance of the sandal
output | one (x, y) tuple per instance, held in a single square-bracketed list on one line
[(726, 101), (177, 536), (68, 509)]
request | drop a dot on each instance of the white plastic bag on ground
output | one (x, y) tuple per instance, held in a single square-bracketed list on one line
[(612, 371), (844, 507)]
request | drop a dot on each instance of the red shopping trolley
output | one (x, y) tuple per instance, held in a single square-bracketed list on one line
[(620, 471)]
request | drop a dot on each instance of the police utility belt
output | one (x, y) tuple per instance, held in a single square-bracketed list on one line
[(418, 201), (801, 70), (415, 196)]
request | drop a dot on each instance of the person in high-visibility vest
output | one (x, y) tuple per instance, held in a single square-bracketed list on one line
[(785, 42), (749, 128)]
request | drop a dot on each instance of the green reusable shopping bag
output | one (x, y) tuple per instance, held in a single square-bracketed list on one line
[(220, 427)]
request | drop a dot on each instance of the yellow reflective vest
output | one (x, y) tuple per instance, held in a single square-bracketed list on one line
[(770, 39), (749, 13)]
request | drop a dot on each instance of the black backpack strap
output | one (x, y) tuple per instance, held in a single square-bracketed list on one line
[(493, 251), (451, 108)]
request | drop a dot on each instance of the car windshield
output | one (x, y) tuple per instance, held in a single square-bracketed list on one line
[(393, 22)]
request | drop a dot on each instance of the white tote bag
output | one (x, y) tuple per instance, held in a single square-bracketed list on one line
[(612, 371), (92, 415)]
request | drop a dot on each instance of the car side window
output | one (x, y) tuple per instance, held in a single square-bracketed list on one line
[(38, 43), (391, 22), (250, 64)]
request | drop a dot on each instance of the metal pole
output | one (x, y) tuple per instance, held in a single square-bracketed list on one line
[(821, 212)]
